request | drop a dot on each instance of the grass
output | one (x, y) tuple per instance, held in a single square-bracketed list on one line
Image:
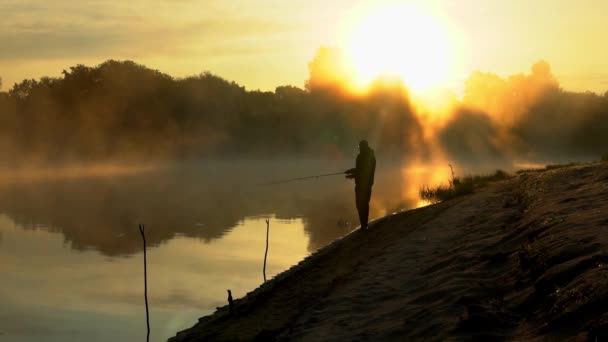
[(466, 185), (459, 186)]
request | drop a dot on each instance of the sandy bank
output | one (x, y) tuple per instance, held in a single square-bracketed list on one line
[(519, 260)]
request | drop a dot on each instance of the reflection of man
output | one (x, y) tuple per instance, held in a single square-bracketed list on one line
[(363, 174)]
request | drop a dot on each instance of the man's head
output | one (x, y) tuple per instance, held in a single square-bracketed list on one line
[(363, 145)]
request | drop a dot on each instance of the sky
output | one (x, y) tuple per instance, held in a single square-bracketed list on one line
[(262, 44)]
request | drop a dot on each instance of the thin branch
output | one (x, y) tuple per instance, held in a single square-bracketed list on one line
[(230, 302), (143, 236), (266, 253), (452, 170)]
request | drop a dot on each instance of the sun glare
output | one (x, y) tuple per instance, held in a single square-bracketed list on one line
[(397, 41)]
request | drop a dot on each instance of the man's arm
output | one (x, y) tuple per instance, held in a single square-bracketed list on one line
[(352, 173), (373, 169)]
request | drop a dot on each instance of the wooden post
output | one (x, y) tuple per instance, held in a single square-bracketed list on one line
[(143, 236), (266, 253), (230, 302), (452, 170)]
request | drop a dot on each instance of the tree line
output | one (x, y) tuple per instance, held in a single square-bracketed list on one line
[(124, 110), (120, 109)]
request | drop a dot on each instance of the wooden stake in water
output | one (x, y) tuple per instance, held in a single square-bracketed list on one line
[(266, 253), (230, 302), (143, 236), (452, 170)]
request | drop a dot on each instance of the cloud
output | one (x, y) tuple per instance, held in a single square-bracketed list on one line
[(33, 30)]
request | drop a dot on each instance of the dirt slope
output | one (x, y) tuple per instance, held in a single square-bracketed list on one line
[(524, 259)]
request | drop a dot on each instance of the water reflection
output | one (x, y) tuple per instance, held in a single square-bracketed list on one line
[(52, 292), (70, 251), (201, 200)]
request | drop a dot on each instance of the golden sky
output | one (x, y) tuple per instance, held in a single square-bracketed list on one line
[(265, 43)]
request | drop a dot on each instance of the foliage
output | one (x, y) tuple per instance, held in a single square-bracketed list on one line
[(124, 110), (460, 186), (120, 109)]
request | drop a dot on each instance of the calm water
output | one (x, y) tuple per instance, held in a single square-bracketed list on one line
[(71, 254)]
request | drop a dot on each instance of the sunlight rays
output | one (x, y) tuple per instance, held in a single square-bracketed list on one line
[(397, 42)]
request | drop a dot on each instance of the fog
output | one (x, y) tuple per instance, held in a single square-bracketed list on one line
[(201, 200), (103, 148), (122, 112)]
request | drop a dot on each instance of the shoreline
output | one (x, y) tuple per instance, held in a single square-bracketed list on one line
[(485, 265)]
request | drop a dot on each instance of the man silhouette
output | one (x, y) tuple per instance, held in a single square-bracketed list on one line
[(363, 174)]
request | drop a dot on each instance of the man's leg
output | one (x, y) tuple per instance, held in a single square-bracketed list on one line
[(364, 214), (361, 207), (366, 196)]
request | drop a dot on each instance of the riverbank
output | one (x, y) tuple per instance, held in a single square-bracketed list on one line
[(520, 259)]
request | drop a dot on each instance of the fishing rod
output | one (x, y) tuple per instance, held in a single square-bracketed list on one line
[(302, 178)]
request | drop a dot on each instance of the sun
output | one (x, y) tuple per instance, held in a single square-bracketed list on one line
[(397, 41)]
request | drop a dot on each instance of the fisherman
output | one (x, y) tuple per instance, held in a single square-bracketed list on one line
[(363, 174)]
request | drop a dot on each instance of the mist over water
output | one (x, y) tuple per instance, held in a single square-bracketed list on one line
[(72, 254), (89, 156), (126, 112), (200, 199)]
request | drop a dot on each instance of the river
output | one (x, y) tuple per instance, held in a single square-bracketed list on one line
[(71, 255)]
